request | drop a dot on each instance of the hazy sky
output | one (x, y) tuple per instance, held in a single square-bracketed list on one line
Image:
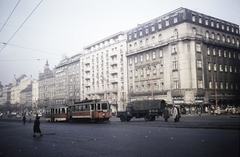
[(58, 27)]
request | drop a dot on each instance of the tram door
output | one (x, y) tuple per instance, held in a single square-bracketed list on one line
[(52, 114)]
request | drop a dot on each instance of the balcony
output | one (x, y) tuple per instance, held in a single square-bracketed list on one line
[(88, 84), (87, 62), (87, 77), (87, 69), (113, 62), (114, 80), (113, 71), (113, 54)]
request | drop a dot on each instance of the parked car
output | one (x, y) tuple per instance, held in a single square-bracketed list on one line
[(1, 114), (18, 116)]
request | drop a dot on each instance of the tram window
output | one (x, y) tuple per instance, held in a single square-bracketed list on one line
[(82, 108), (73, 109), (59, 110), (86, 107), (55, 111), (63, 110), (98, 106), (104, 106)]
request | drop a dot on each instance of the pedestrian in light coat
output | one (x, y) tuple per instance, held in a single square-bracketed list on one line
[(176, 113)]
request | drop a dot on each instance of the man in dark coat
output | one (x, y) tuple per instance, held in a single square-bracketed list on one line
[(24, 119), (36, 127), (166, 114)]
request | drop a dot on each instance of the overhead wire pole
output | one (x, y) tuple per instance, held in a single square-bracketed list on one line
[(21, 26), (10, 15)]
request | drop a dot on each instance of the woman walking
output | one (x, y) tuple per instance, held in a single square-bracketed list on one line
[(36, 127)]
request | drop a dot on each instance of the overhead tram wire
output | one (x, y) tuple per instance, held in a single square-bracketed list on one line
[(20, 26), (10, 15)]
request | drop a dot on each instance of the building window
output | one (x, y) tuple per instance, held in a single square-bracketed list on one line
[(153, 28), (213, 36), (236, 86), (194, 31), (199, 64), (140, 32), (223, 39), (225, 68), (230, 69), (231, 85), (135, 60), (217, 24), (146, 30), (160, 53), (233, 41), (129, 36), (174, 48), (198, 47), (227, 27), (161, 68), (175, 84), (141, 58), (218, 37), (200, 84), (229, 55), (214, 51), (148, 71), (130, 61), (159, 25), (228, 39), (154, 55), (175, 65), (136, 73), (154, 70), (135, 34), (216, 85), (207, 35), (221, 85), (224, 54), (153, 40), (208, 50), (210, 84), (209, 66), (223, 26), (141, 72), (200, 19), (193, 18), (167, 22), (212, 23), (234, 55), (215, 67), (175, 19), (135, 46), (226, 86), (235, 69), (206, 21), (146, 42), (220, 68), (219, 53), (141, 44), (147, 56)]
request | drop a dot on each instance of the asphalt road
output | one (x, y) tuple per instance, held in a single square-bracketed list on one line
[(135, 138)]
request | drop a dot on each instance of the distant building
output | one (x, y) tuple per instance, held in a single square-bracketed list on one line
[(185, 57)]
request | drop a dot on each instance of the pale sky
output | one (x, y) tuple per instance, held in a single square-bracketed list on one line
[(58, 27)]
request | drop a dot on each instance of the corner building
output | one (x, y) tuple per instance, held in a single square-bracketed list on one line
[(185, 58)]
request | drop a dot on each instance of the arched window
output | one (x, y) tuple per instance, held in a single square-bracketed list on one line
[(146, 42), (153, 40), (207, 35), (194, 31)]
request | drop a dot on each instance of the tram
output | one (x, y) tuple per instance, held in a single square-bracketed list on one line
[(94, 110)]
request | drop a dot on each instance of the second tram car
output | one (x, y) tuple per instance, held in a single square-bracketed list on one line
[(93, 110)]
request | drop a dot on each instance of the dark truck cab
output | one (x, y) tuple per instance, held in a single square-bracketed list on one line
[(147, 109)]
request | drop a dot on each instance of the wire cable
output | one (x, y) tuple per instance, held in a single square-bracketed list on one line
[(10, 16), (21, 26)]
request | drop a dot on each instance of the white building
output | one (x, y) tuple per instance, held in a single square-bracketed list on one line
[(103, 71)]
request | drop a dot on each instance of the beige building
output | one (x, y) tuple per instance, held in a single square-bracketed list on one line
[(18, 85), (103, 71), (185, 57), (35, 97)]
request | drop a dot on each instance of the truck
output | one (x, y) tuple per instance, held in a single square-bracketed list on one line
[(147, 109)]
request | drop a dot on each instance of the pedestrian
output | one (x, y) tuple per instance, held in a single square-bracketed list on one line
[(24, 119), (166, 114), (36, 127), (176, 113)]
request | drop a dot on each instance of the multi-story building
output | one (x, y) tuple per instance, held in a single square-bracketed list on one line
[(46, 88), (34, 95), (103, 71), (5, 94), (26, 98), (18, 85), (67, 81), (185, 57)]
